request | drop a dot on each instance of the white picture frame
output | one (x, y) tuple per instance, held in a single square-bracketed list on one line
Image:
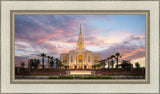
[(8, 87)]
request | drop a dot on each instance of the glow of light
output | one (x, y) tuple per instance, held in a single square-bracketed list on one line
[(80, 72), (140, 60)]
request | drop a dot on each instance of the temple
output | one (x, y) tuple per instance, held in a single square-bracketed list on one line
[(80, 58)]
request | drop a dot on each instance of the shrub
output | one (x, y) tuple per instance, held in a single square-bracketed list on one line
[(89, 77), (52, 77), (105, 77), (76, 77), (65, 77), (68, 77)]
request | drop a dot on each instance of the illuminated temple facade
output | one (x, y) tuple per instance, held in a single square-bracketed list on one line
[(80, 58)]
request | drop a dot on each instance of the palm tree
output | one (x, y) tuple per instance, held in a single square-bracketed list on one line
[(22, 64), (43, 55), (58, 63), (108, 62), (137, 65), (94, 67), (112, 62), (102, 63), (98, 65), (33, 63), (51, 61), (30, 61), (126, 64), (117, 55), (48, 60)]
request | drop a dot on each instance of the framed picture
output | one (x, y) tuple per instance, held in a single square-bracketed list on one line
[(80, 47)]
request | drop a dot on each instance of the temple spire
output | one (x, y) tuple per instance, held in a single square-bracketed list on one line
[(80, 28), (80, 42), (80, 33)]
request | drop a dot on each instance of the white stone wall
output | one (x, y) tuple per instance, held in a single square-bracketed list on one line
[(76, 53), (64, 55)]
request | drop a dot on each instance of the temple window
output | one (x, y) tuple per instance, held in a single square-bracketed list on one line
[(96, 59), (84, 61), (80, 45), (71, 58), (76, 60), (64, 59), (88, 58), (80, 58)]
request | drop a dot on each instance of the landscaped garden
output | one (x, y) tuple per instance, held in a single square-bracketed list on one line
[(124, 70)]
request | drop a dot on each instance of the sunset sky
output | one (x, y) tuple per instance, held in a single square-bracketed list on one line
[(55, 34)]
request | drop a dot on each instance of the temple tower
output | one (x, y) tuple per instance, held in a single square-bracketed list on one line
[(80, 42)]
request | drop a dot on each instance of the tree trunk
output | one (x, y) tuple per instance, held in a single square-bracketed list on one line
[(112, 63), (48, 62), (117, 63), (43, 62), (108, 64)]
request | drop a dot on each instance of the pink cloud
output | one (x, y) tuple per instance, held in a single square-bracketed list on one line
[(47, 37), (21, 39), (131, 53), (60, 31)]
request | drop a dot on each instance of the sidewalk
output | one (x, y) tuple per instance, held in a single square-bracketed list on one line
[(47, 77)]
